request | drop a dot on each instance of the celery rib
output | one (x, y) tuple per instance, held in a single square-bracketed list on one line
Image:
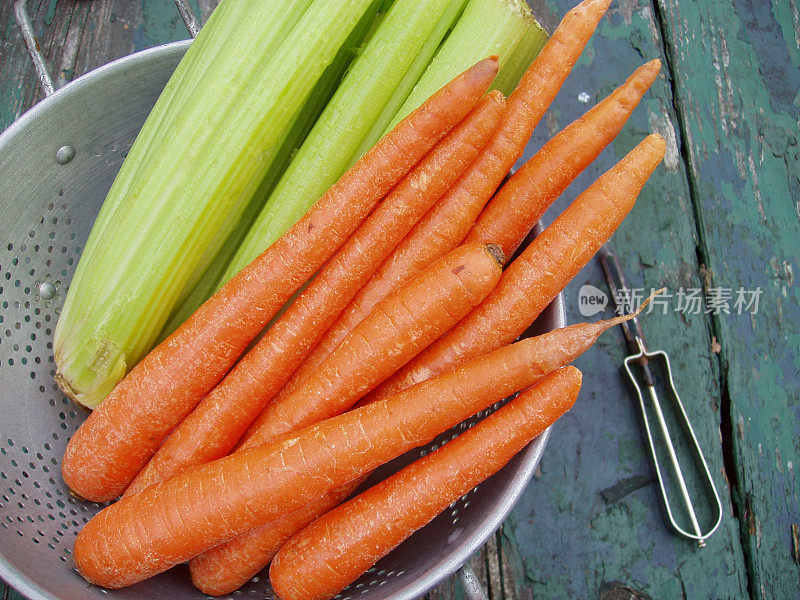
[(196, 181), (358, 102), (303, 122), (487, 27)]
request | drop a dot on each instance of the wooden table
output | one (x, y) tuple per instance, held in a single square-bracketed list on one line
[(722, 213)]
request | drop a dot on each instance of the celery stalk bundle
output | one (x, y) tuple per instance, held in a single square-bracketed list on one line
[(303, 122), (188, 178), (465, 32), (359, 101), (502, 27), (273, 101)]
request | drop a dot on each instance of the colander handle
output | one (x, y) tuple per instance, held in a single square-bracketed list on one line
[(471, 583), (23, 19)]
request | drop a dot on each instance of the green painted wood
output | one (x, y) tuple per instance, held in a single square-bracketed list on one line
[(570, 541), (77, 36), (9, 593), (160, 23), (741, 126)]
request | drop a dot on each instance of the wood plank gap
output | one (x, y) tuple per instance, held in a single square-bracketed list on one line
[(726, 412)]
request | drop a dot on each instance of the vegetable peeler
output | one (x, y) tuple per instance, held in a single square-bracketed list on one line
[(638, 368)]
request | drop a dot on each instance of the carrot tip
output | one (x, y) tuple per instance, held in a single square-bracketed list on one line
[(574, 373), (638, 311), (601, 4), (592, 6)]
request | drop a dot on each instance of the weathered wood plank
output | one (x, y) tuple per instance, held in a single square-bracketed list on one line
[(77, 36), (8, 593), (740, 122), (160, 23), (563, 539)]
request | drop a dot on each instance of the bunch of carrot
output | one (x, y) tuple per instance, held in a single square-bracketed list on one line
[(234, 458)]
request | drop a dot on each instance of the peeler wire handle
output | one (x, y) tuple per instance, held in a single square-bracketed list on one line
[(698, 535), (23, 19), (632, 329), (641, 357)]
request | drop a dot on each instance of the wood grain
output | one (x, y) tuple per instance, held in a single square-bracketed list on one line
[(740, 123)]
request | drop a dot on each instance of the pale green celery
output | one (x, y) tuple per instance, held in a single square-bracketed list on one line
[(326, 153), (211, 158), (487, 27), (410, 79), (303, 122), (191, 69), (229, 13), (526, 50), (212, 47)]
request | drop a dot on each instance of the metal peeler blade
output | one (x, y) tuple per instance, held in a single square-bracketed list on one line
[(637, 365)]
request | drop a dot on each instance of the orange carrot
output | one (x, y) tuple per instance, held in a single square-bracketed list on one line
[(229, 566), (232, 564), (531, 282), (215, 426), (175, 520), (448, 222), (521, 202), (393, 333), (118, 438), (339, 547), (549, 351), (396, 330)]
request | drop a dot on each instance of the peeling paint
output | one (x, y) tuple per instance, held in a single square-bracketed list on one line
[(660, 123)]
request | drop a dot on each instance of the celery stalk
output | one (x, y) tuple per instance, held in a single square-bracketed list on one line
[(358, 102), (410, 79), (521, 58), (302, 123), (487, 27), (199, 57), (190, 186)]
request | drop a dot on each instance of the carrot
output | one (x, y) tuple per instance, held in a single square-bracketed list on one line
[(340, 546), (531, 282), (213, 428), (569, 343), (449, 221), (393, 333), (118, 438), (229, 566), (177, 519), (521, 202)]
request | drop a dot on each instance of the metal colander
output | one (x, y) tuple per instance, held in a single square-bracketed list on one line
[(57, 163)]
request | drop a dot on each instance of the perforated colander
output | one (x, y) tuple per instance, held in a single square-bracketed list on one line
[(57, 163)]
